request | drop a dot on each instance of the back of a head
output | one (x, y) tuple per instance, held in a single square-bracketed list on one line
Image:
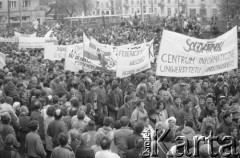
[(85, 138), (189, 124), (107, 121), (124, 121), (33, 125), (63, 139), (139, 127), (139, 143), (58, 114), (10, 140), (105, 143), (81, 115)]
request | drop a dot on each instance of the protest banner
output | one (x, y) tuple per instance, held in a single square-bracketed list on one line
[(8, 40), (75, 60), (31, 42), (184, 56), (17, 34), (2, 60), (151, 51), (132, 60), (54, 52), (51, 40)]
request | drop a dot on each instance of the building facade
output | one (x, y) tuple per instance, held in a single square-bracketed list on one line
[(163, 8), (29, 9)]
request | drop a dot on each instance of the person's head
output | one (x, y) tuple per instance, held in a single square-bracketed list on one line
[(98, 138), (6, 119), (81, 115), (187, 103), (107, 121), (228, 117), (202, 100), (234, 132), (101, 82), (213, 111), (85, 139), (10, 140), (37, 93), (9, 100), (225, 105), (128, 98), (74, 102), (24, 110), (55, 99), (139, 127), (177, 99), (220, 80), (117, 124), (37, 105), (140, 103), (91, 125), (205, 84), (149, 93), (63, 139), (33, 125), (124, 121), (50, 111), (114, 87), (209, 101), (226, 89), (185, 92), (166, 95), (189, 124), (160, 105), (93, 86), (105, 143), (58, 114)]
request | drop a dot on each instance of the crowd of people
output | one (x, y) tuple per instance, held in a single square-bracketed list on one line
[(48, 112)]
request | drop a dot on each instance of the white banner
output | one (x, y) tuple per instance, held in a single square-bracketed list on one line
[(31, 42), (55, 52), (8, 40), (132, 60), (151, 51), (184, 56), (75, 61), (17, 34)]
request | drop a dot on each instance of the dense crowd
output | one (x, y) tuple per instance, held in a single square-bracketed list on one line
[(48, 112)]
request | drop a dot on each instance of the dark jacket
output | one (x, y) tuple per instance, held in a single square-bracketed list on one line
[(233, 90), (9, 152), (225, 127), (125, 110), (134, 153), (10, 90), (132, 139), (84, 152)]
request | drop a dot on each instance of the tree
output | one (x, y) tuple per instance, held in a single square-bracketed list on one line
[(229, 8), (87, 6)]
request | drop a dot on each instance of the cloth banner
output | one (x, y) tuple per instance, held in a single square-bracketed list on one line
[(184, 56), (8, 40), (55, 52), (17, 34), (132, 60), (151, 51), (2, 60), (75, 60), (48, 34), (31, 42)]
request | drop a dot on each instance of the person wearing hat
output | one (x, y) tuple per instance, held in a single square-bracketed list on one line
[(210, 123), (9, 151), (219, 87)]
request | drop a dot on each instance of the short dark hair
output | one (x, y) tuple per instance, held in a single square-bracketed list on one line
[(33, 125), (105, 143), (100, 82), (80, 115), (37, 105), (139, 127), (227, 114), (63, 139), (107, 121), (117, 124), (124, 121), (50, 111), (186, 101), (55, 99), (189, 124), (6, 119), (139, 143)]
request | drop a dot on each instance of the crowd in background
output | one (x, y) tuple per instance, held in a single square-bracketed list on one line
[(48, 112)]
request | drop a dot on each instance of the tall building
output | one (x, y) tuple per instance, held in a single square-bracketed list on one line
[(163, 8), (104, 7), (30, 10)]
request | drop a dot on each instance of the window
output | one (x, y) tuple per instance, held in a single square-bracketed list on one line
[(144, 2), (102, 12), (176, 1), (0, 5), (203, 1), (107, 4), (192, 1), (26, 3), (155, 10), (93, 12), (155, 1), (169, 1), (162, 10), (13, 4), (98, 12), (192, 12), (138, 10), (150, 10), (107, 12), (176, 10), (98, 4), (150, 1), (144, 9), (132, 10), (214, 12), (169, 12)]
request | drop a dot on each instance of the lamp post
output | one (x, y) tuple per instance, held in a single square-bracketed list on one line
[(142, 10), (227, 10), (8, 13), (20, 9)]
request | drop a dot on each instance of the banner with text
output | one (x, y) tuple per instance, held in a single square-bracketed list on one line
[(132, 60), (75, 60), (54, 52), (184, 56), (8, 40), (31, 42), (17, 34)]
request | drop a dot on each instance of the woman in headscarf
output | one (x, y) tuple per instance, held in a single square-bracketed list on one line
[(170, 123)]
